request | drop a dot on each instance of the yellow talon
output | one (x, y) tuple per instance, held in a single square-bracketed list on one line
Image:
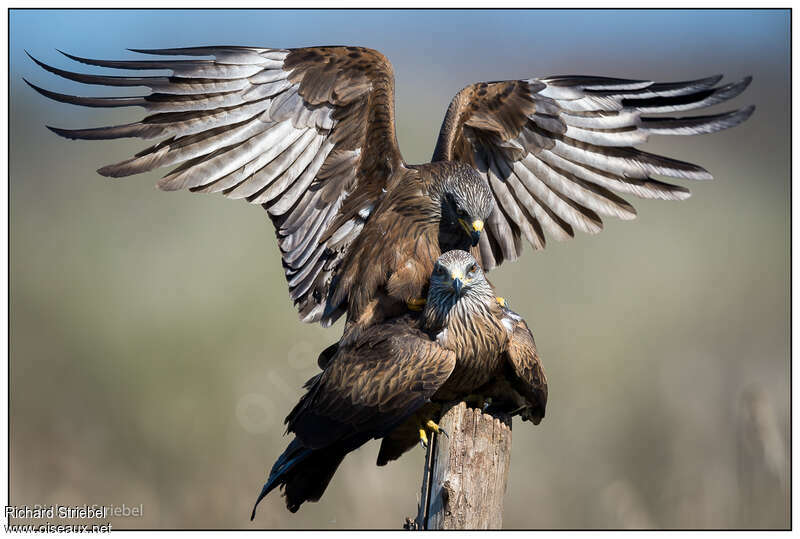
[(431, 425), (416, 304)]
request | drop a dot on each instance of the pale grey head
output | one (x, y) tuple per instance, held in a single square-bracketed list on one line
[(457, 286)]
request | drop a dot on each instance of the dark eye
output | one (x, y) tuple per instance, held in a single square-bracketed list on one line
[(438, 270), (461, 212), (473, 268)]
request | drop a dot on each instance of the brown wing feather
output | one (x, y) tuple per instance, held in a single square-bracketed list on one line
[(396, 251), (527, 374), (308, 133), (556, 150), (371, 386)]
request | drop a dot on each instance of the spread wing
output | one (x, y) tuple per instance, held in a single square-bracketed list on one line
[(526, 376), (371, 386), (307, 133), (556, 151)]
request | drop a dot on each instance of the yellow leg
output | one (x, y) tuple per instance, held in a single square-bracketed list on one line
[(501, 301), (416, 304), (423, 437), (429, 425)]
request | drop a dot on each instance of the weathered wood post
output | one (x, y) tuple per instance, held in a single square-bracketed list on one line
[(465, 474)]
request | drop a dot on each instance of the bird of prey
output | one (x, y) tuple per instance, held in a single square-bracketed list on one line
[(390, 381), (309, 134)]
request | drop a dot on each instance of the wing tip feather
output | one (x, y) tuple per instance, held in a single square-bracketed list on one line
[(72, 56), (109, 171), (744, 114), (66, 133), (98, 102), (55, 96), (702, 175)]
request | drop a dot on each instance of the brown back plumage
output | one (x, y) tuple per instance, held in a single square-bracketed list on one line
[(368, 388)]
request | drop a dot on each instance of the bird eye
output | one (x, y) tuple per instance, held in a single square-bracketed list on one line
[(473, 268), (461, 212)]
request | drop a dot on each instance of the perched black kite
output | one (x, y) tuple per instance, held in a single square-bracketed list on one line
[(395, 376), (309, 134)]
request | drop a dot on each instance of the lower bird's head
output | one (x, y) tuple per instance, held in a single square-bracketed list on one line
[(465, 202), (457, 280)]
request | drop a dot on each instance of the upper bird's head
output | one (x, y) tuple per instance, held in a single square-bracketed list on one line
[(464, 200), (457, 285)]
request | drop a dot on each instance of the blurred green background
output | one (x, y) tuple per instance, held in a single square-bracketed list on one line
[(155, 352)]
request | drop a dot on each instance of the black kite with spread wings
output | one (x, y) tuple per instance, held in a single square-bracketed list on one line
[(309, 134)]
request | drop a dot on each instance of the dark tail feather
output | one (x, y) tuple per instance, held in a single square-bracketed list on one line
[(303, 473), (309, 481), (293, 454)]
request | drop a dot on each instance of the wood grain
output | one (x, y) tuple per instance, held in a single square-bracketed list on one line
[(466, 473)]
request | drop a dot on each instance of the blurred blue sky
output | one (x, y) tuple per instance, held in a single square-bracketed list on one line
[(611, 28), (483, 33)]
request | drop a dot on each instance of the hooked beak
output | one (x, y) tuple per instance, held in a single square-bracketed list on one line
[(457, 282), (475, 237), (473, 230), (457, 285)]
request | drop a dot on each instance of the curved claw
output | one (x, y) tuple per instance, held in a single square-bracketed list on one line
[(431, 424)]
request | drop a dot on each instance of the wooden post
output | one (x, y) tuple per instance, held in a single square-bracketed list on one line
[(465, 474)]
